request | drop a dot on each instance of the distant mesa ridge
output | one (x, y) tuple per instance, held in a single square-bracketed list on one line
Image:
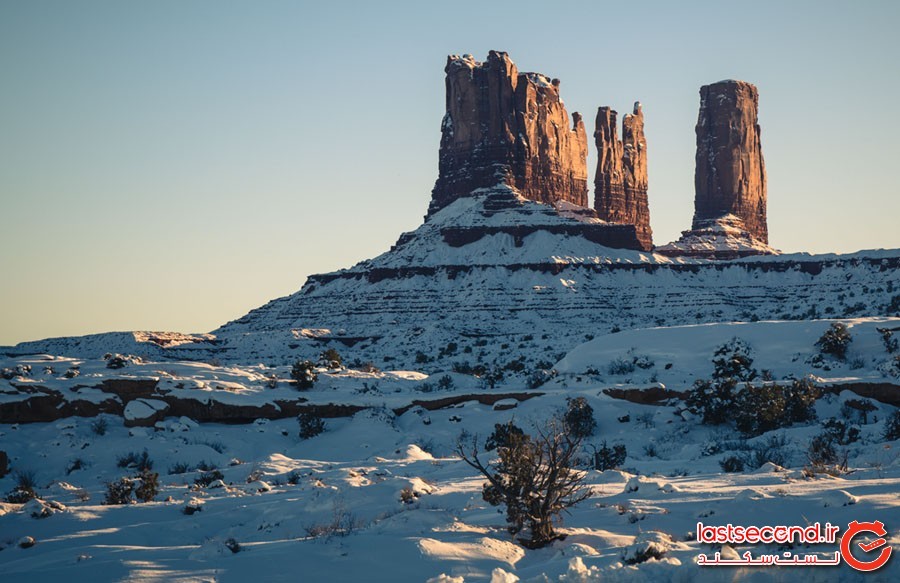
[(503, 127)]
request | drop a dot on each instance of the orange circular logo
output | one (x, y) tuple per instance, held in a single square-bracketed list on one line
[(876, 528)]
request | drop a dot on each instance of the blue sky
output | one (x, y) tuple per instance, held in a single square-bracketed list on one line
[(171, 165)]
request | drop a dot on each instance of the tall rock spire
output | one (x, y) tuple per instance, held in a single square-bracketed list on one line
[(729, 178), (730, 175), (620, 184), (506, 127)]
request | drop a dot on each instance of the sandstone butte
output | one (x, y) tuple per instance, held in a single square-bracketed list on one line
[(503, 127)]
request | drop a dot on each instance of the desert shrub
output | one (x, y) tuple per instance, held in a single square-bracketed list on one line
[(119, 491), (893, 307), (823, 456), (445, 383), (304, 374), (712, 401), (835, 341), (504, 435), (132, 459), (515, 366), (179, 468), (293, 478), (840, 432), (887, 337), (75, 465), (620, 366), (141, 488), (492, 376), (579, 418), (857, 410), (147, 486), (759, 409), (232, 545), (609, 458), (407, 496), (127, 460), (116, 361), (422, 358), (800, 400), (207, 478), (732, 464), (732, 361), (331, 359), (449, 350), (367, 366), (540, 377), (311, 425), (99, 426), (343, 523), (770, 450), (892, 426), (24, 490), (25, 480), (144, 463), (534, 478), (645, 419)]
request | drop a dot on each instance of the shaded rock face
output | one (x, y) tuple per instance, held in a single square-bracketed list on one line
[(503, 126), (620, 184), (730, 176)]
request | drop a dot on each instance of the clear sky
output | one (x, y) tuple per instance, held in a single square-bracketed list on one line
[(170, 165)]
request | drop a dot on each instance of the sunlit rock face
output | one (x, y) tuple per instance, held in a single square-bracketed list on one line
[(729, 178), (730, 175), (620, 184), (506, 127)]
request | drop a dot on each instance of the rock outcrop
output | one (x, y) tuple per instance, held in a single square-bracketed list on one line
[(730, 176), (620, 184), (506, 127)]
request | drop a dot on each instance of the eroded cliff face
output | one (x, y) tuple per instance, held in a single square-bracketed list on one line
[(730, 175), (620, 184), (506, 127)]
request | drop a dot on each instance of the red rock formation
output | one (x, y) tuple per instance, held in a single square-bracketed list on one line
[(620, 184), (730, 176), (503, 126)]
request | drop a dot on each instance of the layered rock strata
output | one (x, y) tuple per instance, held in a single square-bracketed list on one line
[(730, 175), (620, 184), (506, 127)]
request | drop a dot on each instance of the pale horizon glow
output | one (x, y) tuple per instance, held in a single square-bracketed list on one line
[(173, 165)]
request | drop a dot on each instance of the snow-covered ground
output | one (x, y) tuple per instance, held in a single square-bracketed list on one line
[(329, 508)]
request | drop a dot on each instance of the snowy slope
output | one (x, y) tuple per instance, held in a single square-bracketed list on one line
[(328, 508), (500, 276)]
